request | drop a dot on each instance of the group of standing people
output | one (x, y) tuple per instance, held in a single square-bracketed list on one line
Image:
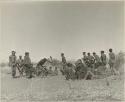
[(95, 61), (87, 65), (90, 63), (23, 65)]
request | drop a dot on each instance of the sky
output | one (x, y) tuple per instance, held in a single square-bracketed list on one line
[(48, 28)]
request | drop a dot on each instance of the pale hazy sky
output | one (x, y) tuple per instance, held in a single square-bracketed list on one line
[(49, 28)]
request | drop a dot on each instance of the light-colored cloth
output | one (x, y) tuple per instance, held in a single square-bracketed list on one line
[(111, 58)]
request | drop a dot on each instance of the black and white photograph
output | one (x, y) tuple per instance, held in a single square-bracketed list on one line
[(62, 51)]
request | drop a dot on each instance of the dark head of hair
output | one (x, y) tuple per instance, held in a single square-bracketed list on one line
[(102, 51), (62, 54), (88, 53), (94, 53), (13, 52), (26, 53), (110, 50), (84, 53)]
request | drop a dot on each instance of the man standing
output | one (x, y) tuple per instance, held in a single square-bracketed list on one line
[(103, 58), (12, 63), (90, 60), (28, 65), (63, 58), (111, 60), (84, 58), (96, 60), (63, 62)]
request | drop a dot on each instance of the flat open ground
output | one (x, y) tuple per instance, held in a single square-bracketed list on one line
[(56, 88)]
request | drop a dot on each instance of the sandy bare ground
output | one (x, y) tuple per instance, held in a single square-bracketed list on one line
[(56, 88)]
